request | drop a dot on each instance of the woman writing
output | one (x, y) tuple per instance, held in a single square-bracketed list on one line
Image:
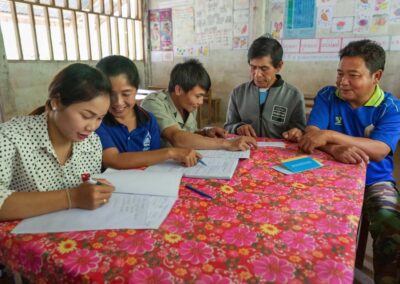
[(43, 156)]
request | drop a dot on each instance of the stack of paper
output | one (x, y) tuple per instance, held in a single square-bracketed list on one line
[(271, 144), (141, 200), (218, 164), (222, 154), (214, 168), (297, 165)]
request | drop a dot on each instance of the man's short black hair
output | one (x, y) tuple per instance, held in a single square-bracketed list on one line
[(264, 46), (189, 75), (372, 53)]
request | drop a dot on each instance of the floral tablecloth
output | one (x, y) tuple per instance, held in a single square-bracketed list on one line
[(262, 226)]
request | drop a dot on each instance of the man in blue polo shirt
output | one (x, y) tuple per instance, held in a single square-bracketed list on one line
[(354, 122)]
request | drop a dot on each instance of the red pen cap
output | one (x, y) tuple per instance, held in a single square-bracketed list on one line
[(85, 177)]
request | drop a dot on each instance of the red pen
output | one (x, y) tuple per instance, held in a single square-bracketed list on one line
[(85, 177)]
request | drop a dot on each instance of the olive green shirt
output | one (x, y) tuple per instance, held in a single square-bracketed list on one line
[(167, 115)]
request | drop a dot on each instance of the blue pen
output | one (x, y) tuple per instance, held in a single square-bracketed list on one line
[(198, 191), (202, 162)]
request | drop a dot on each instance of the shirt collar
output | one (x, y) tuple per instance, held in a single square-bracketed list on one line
[(38, 126), (278, 82), (173, 109), (374, 101)]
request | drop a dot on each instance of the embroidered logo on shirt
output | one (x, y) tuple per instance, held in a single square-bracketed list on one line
[(368, 130), (147, 142), (338, 120), (279, 114)]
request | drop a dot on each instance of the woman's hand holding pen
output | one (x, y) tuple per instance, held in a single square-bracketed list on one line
[(188, 157), (91, 196)]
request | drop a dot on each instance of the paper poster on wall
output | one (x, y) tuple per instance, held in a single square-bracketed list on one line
[(363, 6), (383, 41), (162, 4), (240, 29), (395, 11), (300, 19), (291, 45), (326, 2), (240, 42), (395, 43), (310, 57), (183, 25), (213, 23), (362, 23), (379, 24), (381, 6), (347, 40), (160, 23), (241, 16), (309, 45), (342, 24), (324, 17), (241, 4), (191, 51), (162, 56), (330, 45), (277, 14), (155, 35), (276, 29)]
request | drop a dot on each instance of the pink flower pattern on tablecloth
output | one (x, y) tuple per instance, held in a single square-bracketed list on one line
[(240, 236), (247, 198), (261, 227), (267, 216), (177, 224), (333, 272), (151, 276), (273, 269), (304, 206), (213, 279), (222, 213), (81, 261), (195, 252), (31, 257), (139, 243), (332, 225), (298, 241)]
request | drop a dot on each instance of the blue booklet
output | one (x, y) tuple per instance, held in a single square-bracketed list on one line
[(301, 164)]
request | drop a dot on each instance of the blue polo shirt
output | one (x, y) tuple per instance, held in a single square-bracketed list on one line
[(145, 137), (377, 119)]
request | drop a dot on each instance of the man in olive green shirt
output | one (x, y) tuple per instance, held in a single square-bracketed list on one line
[(176, 111)]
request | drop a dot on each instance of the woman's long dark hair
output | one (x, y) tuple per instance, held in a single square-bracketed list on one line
[(76, 83)]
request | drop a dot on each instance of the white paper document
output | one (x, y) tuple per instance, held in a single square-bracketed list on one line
[(271, 144), (215, 168), (142, 200), (225, 154)]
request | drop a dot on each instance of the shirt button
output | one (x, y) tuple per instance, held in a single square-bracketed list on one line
[(129, 138)]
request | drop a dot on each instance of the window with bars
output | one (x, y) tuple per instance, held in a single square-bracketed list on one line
[(71, 29)]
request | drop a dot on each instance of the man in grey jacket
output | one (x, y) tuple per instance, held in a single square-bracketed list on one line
[(266, 106)]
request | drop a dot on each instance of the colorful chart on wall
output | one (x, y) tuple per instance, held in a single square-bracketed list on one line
[(160, 22), (300, 19)]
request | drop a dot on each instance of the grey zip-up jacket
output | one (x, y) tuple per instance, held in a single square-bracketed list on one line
[(283, 109)]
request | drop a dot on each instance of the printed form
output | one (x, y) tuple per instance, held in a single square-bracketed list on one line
[(141, 200), (215, 168)]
